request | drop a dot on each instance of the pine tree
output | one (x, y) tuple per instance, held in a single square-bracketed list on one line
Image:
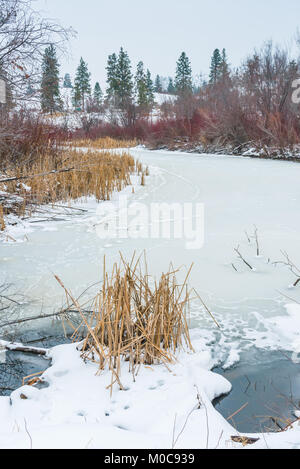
[(171, 87), (215, 67), (97, 95), (82, 87), (150, 88), (158, 85), (183, 80), (224, 67), (144, 88), (124, 80), (111, 69), (50, 94), (141, 86), (67, 81)]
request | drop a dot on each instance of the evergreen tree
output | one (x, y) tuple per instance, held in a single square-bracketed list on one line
[(150, 88), (124, 80), (50, 94), (215, 67), (171, 87), (224, 67), (141, 86), (111, 69), (158, 85), (67, 81), (183, 80), (82, 87), (144, 88), (97, 95)]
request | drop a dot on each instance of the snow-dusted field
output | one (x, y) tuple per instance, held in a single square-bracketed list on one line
[(250, 305)]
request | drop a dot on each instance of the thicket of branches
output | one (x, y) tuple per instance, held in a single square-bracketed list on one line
[(24, 35), (251, 105)]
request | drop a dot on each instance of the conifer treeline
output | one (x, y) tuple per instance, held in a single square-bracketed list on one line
[(250, 104), (123, 87)]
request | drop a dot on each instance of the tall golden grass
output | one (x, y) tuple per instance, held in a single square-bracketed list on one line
[(2, 222), (105, 143), (134, 318), (70, 175)]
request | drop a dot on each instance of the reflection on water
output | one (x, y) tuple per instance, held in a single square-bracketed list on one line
[(269, 391)]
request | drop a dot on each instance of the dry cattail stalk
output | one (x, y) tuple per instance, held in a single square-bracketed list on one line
[(69, 175), (135, 319), (2, 222), (105, 143)]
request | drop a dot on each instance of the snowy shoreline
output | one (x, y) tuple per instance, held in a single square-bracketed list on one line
[(163, 409), (250, 151), (70, 405)]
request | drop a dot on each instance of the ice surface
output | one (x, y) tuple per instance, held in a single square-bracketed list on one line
[(238, 193)]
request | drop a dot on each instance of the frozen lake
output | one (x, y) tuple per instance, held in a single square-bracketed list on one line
[(237, 194)]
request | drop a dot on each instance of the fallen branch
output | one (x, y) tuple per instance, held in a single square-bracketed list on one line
[(43, 316), (22, 178), (23, 348), (242, 258), (290, 264)]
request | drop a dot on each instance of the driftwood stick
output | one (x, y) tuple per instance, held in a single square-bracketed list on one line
[(42, 316), (23, 348), (242, 258), (62, 206), (22, 178)]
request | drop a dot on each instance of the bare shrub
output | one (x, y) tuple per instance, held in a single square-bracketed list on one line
[(135, 318)]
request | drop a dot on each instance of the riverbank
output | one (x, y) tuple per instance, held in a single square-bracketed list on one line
[(250, 305), (249, 150), (161, 408)]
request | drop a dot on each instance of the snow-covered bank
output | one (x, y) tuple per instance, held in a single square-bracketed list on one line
[(50, 217), (163, 408), (249, 305), (248, 150)]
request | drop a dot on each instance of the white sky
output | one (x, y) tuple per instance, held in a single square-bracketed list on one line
[(157, 31)]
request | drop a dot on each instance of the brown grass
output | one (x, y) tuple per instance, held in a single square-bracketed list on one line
[(2, 222), (135, 319), (105, 143), (67, 176)]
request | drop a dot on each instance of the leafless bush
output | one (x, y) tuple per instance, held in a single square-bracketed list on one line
[(24, 35), (291, 265)]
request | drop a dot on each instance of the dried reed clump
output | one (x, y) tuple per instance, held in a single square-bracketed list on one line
[(105, 143), (69, 176), (134, 318), (2, 222)]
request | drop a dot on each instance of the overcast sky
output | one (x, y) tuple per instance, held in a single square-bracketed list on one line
[(157, 31)]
